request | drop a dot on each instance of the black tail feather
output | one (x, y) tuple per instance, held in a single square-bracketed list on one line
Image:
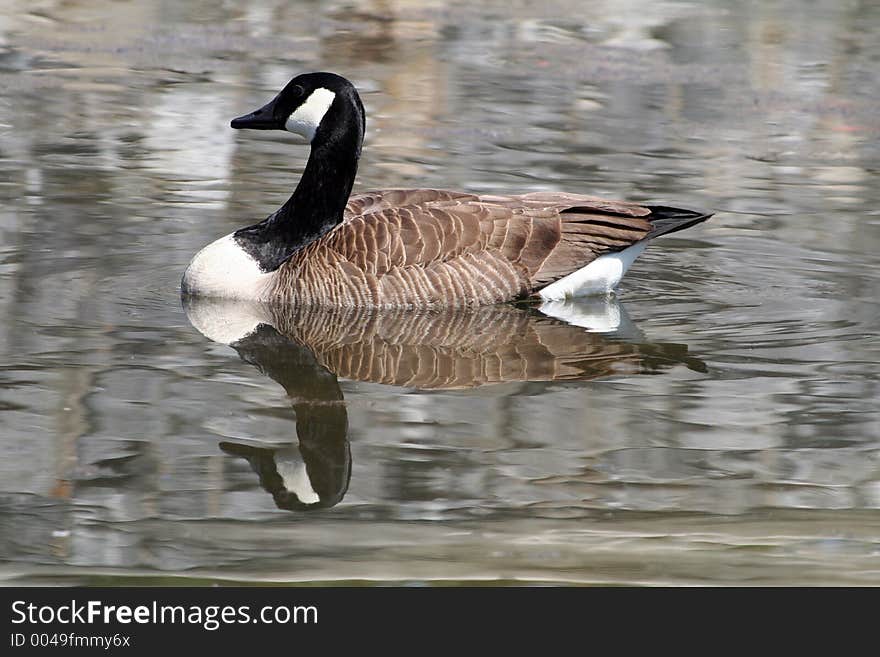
[(669, 220)]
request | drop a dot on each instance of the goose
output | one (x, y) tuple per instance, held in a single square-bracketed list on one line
[(454, 348), (413, 248), (309, 350), (312, 472)]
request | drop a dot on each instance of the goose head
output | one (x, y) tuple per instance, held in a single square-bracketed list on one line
[(322, 107)]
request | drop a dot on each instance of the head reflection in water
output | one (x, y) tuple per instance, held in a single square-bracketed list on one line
[(314, 473), (300, 478), (305, 349)]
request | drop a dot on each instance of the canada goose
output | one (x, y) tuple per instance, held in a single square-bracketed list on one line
[(413, 248), (306, 349)]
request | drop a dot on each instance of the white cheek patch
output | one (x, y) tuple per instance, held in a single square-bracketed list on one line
[(293, 473), (307, 117)]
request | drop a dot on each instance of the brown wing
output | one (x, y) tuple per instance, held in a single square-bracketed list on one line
[(386, 199), (424, 248)]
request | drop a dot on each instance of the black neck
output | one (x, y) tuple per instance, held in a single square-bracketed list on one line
[(316, 205)]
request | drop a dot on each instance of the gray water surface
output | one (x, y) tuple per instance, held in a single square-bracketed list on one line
[(716, 423)]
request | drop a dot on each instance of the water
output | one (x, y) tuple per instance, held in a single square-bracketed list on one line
[(717, 424)]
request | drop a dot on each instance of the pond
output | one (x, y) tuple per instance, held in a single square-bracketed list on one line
[(716, 422)]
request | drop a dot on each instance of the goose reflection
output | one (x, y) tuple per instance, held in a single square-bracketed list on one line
[(307, 349), (313, 473)]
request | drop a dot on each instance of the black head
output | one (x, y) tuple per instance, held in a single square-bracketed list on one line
[(314, 105)]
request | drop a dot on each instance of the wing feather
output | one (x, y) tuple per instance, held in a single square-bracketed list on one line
[(424, 247)]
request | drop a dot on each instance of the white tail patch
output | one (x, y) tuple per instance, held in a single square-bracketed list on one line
[(308, 116), (599, 277), (597, 315)]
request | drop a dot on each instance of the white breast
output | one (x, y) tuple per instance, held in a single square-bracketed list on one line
[(224, 270), (226, 321), (599, 277)]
